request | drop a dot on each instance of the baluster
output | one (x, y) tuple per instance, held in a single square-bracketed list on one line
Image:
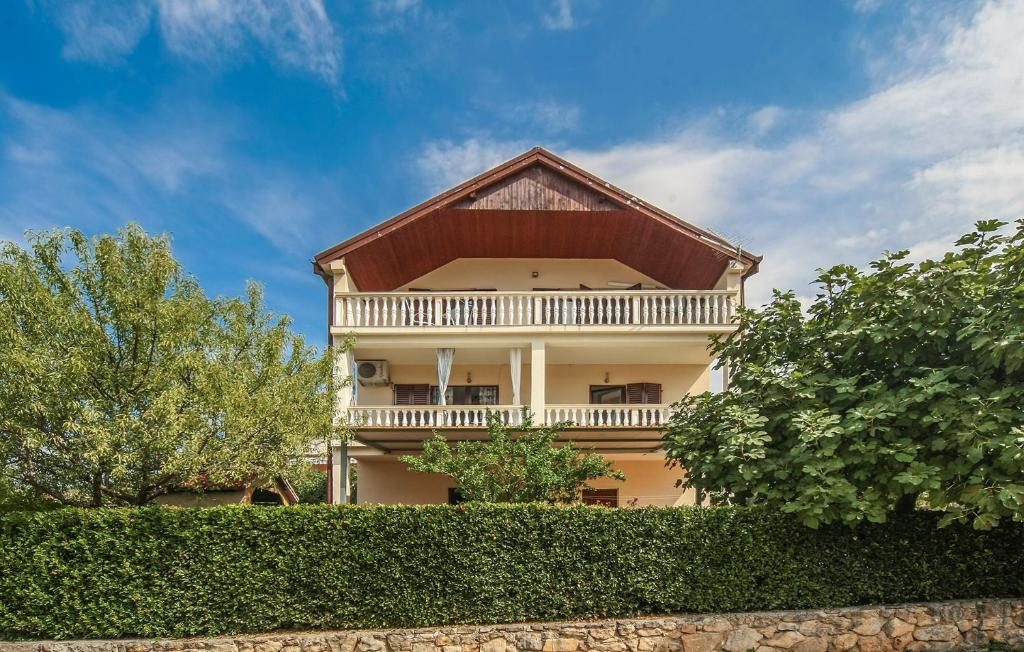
[(384, 310), (713, 309), (519, 310), (501, 311)]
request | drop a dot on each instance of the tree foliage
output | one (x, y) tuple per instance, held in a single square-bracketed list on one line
[(515, 464), (121, 380), (899, 385)]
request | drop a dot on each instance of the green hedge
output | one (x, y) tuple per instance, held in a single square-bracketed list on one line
[(175, 572)]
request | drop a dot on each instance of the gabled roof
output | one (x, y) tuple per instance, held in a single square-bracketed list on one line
[(584, 217)]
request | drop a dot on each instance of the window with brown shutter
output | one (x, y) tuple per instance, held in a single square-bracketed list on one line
[(412, 394), (605, 497), (646, 393)]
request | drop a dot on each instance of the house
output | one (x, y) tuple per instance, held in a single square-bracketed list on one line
[(537, 285)]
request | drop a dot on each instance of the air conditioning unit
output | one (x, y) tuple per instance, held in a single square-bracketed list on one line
[(372, 372)]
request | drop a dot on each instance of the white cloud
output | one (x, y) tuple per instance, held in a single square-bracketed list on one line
[(559, 16), (446, 163), (101, 31), (80, 167), (937, 144), (545, 115), (297, 33)]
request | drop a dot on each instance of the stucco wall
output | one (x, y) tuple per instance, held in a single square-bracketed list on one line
[(566, 384), (649, 482), (959, 625), (517, 274)]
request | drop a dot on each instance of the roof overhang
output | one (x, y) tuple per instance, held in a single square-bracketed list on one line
[(607, 223)]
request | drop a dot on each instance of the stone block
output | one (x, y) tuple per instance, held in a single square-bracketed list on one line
[(812, 644), (494, 645), (785, 640), (701, 641), (845, 642), (741, 640), (561, 645), (868, 626), (878, 643), (896, 627), (937, 633), (530, 642)]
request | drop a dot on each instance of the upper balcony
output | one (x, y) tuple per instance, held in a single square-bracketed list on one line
[(509, 248), (537, 310)]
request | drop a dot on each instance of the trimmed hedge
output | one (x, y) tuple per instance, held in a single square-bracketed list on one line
[(158, 572)]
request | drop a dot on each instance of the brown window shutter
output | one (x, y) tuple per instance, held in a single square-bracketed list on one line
[(635, 393), (643, 393), (652, 392), (412, 394)]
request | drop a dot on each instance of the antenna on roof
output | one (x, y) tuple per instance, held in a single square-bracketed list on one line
[(734, 242)]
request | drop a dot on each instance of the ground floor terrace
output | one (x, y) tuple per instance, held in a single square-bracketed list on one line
[(612, 396)]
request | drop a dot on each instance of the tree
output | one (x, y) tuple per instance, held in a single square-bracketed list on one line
[(901, 385), (514, 464), (120, 380)]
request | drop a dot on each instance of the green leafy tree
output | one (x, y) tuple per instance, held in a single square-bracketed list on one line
[(898, 386), (519, 464), (120, 380)]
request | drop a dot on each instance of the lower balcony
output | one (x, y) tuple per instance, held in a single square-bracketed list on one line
[(390, 417)]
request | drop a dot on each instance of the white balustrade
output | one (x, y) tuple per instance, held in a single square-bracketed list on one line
[(431, 416), (475, 416), (568, 308), (609, 416)]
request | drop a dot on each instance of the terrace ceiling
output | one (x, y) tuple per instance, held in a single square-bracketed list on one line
[(534, 206)]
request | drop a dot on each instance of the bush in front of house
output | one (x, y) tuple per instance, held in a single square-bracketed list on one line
[(157, 572)]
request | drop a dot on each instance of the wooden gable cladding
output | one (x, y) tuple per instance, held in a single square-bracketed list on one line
[(538, 188), (653, 248)]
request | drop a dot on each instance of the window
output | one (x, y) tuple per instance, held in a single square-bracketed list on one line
[(606, 497), (412, 394), (607, 394), (643, 393), (466, 395)]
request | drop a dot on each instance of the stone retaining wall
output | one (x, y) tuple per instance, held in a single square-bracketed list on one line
[(961, 625)]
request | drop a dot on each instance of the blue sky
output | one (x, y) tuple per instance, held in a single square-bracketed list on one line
[(260, 132)]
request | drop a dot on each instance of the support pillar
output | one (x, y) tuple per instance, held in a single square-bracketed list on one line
[(538, 374), (341, 490)]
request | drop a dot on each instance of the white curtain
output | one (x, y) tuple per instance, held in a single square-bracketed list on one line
[(444, 372), (355, 383), (515, 364)]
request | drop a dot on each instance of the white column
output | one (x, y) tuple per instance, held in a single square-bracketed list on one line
[(538, 372), (340, 486)]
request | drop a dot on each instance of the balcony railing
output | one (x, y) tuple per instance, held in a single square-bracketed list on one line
[(510, 309), (610, 416), (431, 416), (475, 416)]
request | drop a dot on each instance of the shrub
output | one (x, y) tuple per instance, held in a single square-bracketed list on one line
[(178, 572)]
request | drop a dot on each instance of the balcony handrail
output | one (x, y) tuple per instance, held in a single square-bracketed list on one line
[(581, 415), (430, 416), (474, 293), (543, 308)]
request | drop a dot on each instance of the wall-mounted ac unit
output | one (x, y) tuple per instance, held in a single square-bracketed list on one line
[(372, 372)]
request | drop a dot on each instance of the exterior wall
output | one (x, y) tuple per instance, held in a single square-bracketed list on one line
[(955, 625), (566, 384), (649, 482), (517, 274)]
